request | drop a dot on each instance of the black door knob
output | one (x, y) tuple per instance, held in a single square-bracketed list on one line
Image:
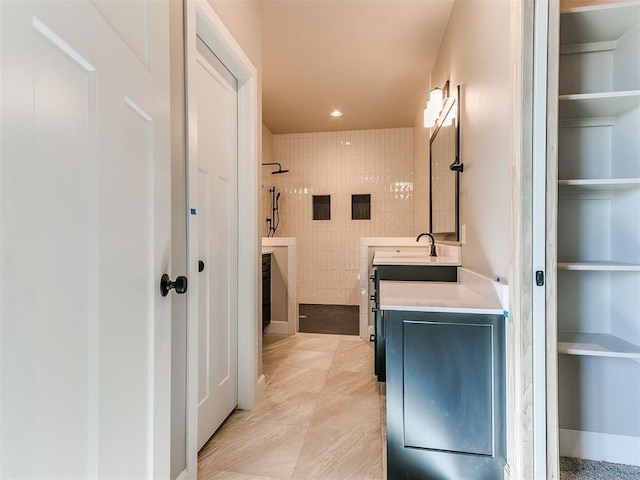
[(200, 266), (180, 284)]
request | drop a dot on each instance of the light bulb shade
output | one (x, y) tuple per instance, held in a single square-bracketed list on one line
[(430, 118), (435, 99)]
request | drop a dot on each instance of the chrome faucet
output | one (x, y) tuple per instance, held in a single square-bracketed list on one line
[(433, 243)]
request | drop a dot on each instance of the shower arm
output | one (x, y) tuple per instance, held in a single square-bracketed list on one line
[(278, 171)]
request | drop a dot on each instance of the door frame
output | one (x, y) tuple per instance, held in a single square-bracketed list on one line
[(201, 20), (523, 440)]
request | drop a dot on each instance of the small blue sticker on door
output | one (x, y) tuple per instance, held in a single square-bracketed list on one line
[(193, 211)]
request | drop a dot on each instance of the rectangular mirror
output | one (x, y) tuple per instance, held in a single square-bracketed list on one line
[(445, 170)]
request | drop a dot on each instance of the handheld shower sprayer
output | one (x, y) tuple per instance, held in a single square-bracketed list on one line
[(274, 221)]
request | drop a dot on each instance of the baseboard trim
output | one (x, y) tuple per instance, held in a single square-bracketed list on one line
[(260, 389), (600, 446), (183, 475), (506, 472), (280, 328)]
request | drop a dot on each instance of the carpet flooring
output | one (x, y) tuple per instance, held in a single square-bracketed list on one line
[(579, 469), (329, 319)]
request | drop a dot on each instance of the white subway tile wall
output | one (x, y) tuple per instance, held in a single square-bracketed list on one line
[(377, 162)]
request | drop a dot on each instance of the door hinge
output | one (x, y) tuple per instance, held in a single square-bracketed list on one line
[(539, 278)]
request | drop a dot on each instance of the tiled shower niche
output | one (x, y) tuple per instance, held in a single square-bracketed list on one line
[(322, 207), (361, 207)]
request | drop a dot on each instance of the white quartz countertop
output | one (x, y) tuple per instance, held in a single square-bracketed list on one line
[(436, 297), (447, 256)]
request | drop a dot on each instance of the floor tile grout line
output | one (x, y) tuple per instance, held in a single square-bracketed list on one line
[(340, 455), (315, 408), (347, 447), (295, 464), (344, 344)]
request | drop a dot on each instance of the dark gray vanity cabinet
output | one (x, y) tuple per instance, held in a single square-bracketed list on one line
[(405, 273), (445, 396), (266, 290)]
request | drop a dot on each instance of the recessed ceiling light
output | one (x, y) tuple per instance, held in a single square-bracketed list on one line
[(336, 113)]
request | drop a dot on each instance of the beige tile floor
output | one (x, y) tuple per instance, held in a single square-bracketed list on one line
[(321, 416)]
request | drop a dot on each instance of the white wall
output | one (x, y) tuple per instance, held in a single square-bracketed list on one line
[(475, 54), (378, 162)]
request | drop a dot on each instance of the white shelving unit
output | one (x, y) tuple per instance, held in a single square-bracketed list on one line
[(598, 232), (599, 184), (599, 266), (596, 345), (595, 105)]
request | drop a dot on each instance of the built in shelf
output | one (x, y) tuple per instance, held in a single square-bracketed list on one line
[(597, 23), (596, 345), (591, 47), (600, 184), (599, 266), (603, 104)]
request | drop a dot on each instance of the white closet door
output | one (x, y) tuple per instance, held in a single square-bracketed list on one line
[(84, 240), (217, 243)]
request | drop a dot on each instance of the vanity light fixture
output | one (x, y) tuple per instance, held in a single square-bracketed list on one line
[(435, 104), (336, 113), (436, 99), (430, 117)]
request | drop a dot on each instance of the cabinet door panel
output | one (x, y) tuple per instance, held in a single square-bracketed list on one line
[(445, 395), (448, 387)]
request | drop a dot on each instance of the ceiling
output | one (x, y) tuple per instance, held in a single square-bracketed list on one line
[(369, 58)]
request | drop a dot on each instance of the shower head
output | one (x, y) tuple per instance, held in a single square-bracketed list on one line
[(278, 196), (280, 170)]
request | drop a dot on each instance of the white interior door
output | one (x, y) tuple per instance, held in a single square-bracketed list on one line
[(217, 242), (84, 240)]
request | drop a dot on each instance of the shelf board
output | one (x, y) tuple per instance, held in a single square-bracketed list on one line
[(596, 345), (599, 184), (604, 104), (591, 47), (597, 23), (599, 266)]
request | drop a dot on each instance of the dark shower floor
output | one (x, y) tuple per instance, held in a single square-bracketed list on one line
[(331, 319)]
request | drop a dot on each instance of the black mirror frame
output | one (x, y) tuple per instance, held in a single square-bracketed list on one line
[(453, 101)]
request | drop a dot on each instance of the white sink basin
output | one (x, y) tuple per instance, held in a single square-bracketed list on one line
[(409, 257)]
